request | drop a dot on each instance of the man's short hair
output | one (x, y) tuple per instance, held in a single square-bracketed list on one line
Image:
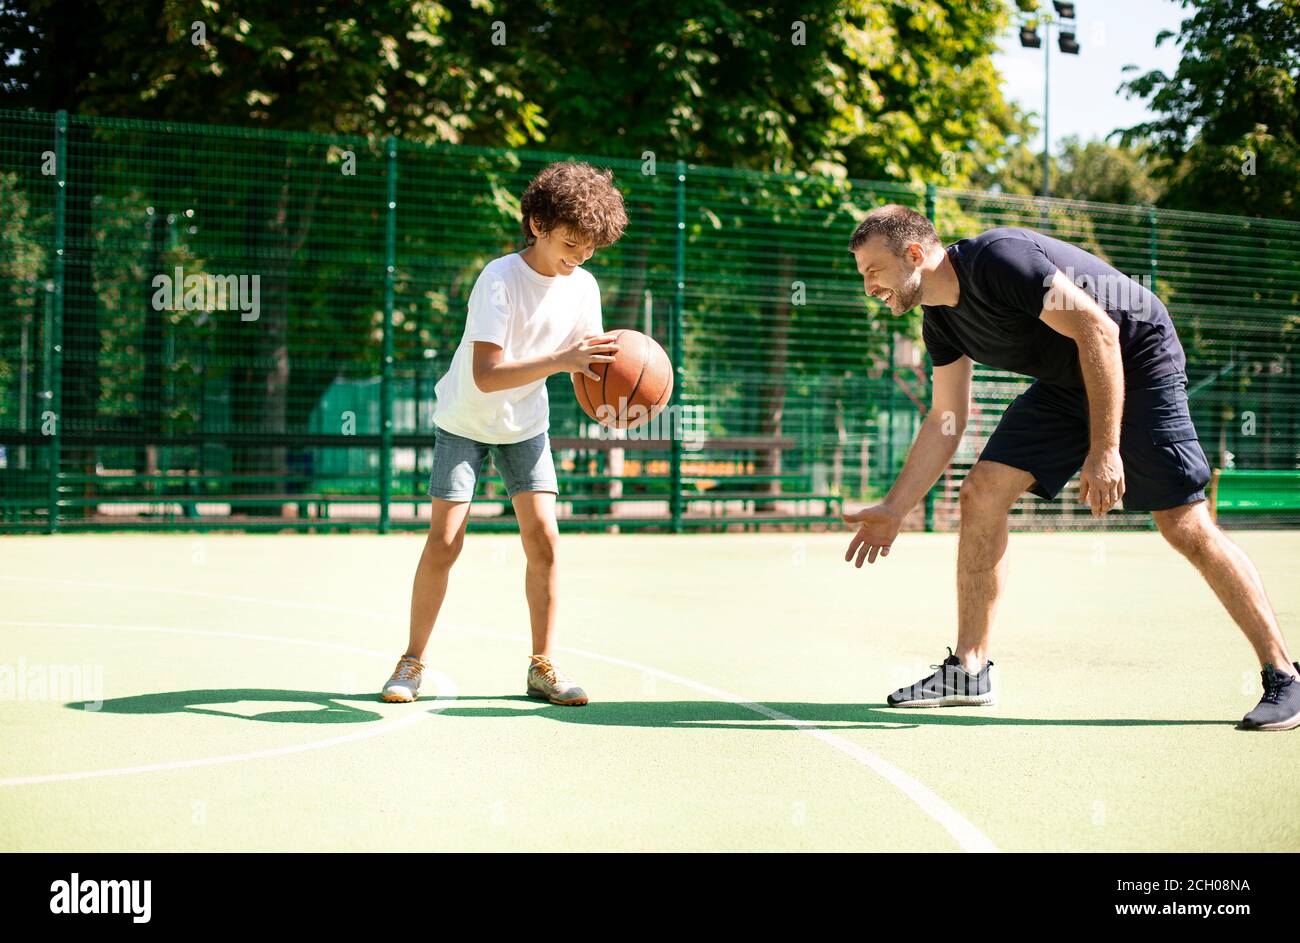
[(899, 225), (577, 196)]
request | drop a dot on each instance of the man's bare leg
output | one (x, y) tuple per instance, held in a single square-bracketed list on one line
[(1231, 575), (987, 494)]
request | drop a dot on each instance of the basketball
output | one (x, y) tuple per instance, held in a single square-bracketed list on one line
[(631, 390)]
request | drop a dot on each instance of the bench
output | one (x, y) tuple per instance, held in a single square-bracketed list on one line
[(172, 495), (1235, 491)]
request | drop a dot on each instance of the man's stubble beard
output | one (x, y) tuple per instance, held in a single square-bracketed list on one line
[(909, 292)]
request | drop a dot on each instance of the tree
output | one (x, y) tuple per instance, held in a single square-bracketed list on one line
[(880, 91), (349, 67), (1104, 173), (883, 91), (22, 297), (1228, 120), (1094, 171)]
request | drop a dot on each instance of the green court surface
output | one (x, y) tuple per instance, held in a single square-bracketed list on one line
[(738, 684)]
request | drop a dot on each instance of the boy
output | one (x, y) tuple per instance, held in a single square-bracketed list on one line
[(531, 314)]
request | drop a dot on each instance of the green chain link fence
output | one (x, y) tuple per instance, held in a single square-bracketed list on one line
[(292, 388)]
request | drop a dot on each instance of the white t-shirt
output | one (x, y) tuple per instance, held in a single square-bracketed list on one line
[(527, 315)]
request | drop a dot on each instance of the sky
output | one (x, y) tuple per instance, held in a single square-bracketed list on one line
[(1084, 96)]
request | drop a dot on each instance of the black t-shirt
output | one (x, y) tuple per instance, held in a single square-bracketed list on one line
[(1005, 275)]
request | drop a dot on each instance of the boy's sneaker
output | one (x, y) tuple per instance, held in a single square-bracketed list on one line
[(404, 685), (1279, 709), (949, 686), (545, 682)]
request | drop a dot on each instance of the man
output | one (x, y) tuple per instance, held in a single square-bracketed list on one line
[(1109, 401)]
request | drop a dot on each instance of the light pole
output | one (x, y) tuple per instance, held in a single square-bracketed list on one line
[(1067, 41)]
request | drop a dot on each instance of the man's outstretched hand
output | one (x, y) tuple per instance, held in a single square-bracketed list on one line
[(877, 527)]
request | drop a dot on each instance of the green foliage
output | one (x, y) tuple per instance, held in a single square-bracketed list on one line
[(22, 291), (353, 67), (1094, 171), (902, 91), (1228, 120)]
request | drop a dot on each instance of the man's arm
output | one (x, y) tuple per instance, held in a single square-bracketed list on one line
[(933, 449), (938, 438), (1071, 311)]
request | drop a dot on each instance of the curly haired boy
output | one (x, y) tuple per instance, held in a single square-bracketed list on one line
[(532, 313)]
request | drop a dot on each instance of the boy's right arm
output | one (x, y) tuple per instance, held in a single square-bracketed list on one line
[(935, 445), (493, 374)]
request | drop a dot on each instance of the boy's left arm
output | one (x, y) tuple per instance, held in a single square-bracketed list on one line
[(1071, 311)]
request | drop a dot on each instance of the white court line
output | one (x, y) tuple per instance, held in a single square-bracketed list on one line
[(967, 835), (447, 693)]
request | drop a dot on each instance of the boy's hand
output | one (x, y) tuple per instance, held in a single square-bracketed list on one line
[(594, 348), (879, 526)]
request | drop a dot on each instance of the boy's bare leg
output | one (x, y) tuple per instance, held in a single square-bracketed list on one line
[(540, 535), (987, 494), (1231, 575), (441, 548)]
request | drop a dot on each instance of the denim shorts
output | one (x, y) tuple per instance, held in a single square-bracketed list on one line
[(1045, 432), (458, 462)]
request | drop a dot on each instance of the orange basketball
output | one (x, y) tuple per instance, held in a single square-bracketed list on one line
[(631, 390)]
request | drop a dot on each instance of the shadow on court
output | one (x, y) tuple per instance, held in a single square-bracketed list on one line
[(329, 708), (723, 715)]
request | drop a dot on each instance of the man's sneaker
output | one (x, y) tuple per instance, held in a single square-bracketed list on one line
[(548, 684), (949, 686), (404, 685), (1279, 709)]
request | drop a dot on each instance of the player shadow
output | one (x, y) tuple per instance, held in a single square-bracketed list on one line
[(328, 708), (724, 715)]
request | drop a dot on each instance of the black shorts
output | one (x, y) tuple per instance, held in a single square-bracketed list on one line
[(1045, 432)]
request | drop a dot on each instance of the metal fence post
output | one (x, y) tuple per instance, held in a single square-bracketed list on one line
[(676, 334), (889, 408), (931, 212), (54, 321), (386, 367), (1153, 236)]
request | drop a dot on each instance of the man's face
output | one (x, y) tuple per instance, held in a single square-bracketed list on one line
[(562, 250), (893, 279)]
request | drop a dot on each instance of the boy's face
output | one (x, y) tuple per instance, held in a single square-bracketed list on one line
[(560, 251)]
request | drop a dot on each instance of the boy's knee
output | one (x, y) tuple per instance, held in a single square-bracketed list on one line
[(540, 544), (442, 551)]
